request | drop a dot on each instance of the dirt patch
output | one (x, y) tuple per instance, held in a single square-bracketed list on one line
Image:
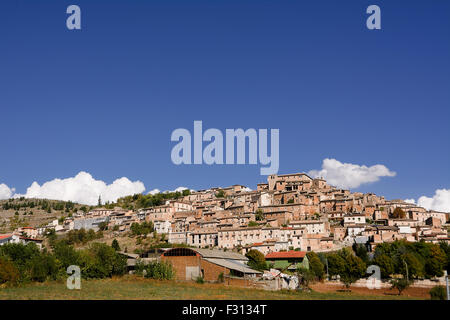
[(414, 292)]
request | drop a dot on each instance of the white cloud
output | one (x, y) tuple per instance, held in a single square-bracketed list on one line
[(5, 191), (348, 175), (154, 191), (439, 202), (83, 188), (179, 189)]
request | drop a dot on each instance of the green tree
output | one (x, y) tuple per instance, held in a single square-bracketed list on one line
[(220, 194), (436, 262), (305, 277), (361, 252), (398, 213), (386, 264), (409, 262), (316, 266), (445, 247), (256, 260), (400, 284), (101, 260), (9, 274), (354, 267), (336, 264), (259, 215), (115, 245), (65, 255), (438, 293)]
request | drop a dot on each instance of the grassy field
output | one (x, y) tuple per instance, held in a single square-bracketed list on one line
[(130, 288)]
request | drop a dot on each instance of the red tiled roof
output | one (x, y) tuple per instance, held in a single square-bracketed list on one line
[(286, 254), (4, 236)]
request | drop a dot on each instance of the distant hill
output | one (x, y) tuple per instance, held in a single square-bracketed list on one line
[(22, 212)]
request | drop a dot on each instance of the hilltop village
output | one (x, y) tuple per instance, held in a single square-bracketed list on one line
[(289, 212)]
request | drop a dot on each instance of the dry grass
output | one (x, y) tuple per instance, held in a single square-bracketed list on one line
[(132, 288)]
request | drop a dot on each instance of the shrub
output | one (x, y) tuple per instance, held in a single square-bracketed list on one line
[(43, 267), (115, 245), (438, 293), (400, 284), (9, 274), (100, 261), (160, 270), (200, 280), (221, 278), (305, 277), (65, 255)]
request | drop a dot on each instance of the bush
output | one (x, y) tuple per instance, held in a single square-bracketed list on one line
[(400, 284), (43, 267), (115, 245), (305, 277), (438, 293), (160, 270), (200, 280), (9, 274), (65, 255), (101, 261), (221, 278)]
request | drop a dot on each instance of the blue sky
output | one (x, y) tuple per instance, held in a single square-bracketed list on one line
[(106, 98)]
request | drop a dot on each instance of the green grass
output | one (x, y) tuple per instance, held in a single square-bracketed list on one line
[(130, 288)]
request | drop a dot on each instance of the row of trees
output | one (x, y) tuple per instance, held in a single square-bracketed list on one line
[(418, 259), (43, 204), (72, 237), (138, 201), (412, 260), (24, 263), (143, 228)]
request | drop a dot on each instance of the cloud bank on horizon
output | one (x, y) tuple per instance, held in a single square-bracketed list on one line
[(83, 188), (179, 189), (348, 175)]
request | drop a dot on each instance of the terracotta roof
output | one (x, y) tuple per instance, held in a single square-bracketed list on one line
[(286, 254), (5, 236)]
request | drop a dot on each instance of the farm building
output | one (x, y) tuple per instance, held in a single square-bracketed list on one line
[(207, 263), (287, 260)]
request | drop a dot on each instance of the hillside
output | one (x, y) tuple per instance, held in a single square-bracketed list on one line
[(23, 212)]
